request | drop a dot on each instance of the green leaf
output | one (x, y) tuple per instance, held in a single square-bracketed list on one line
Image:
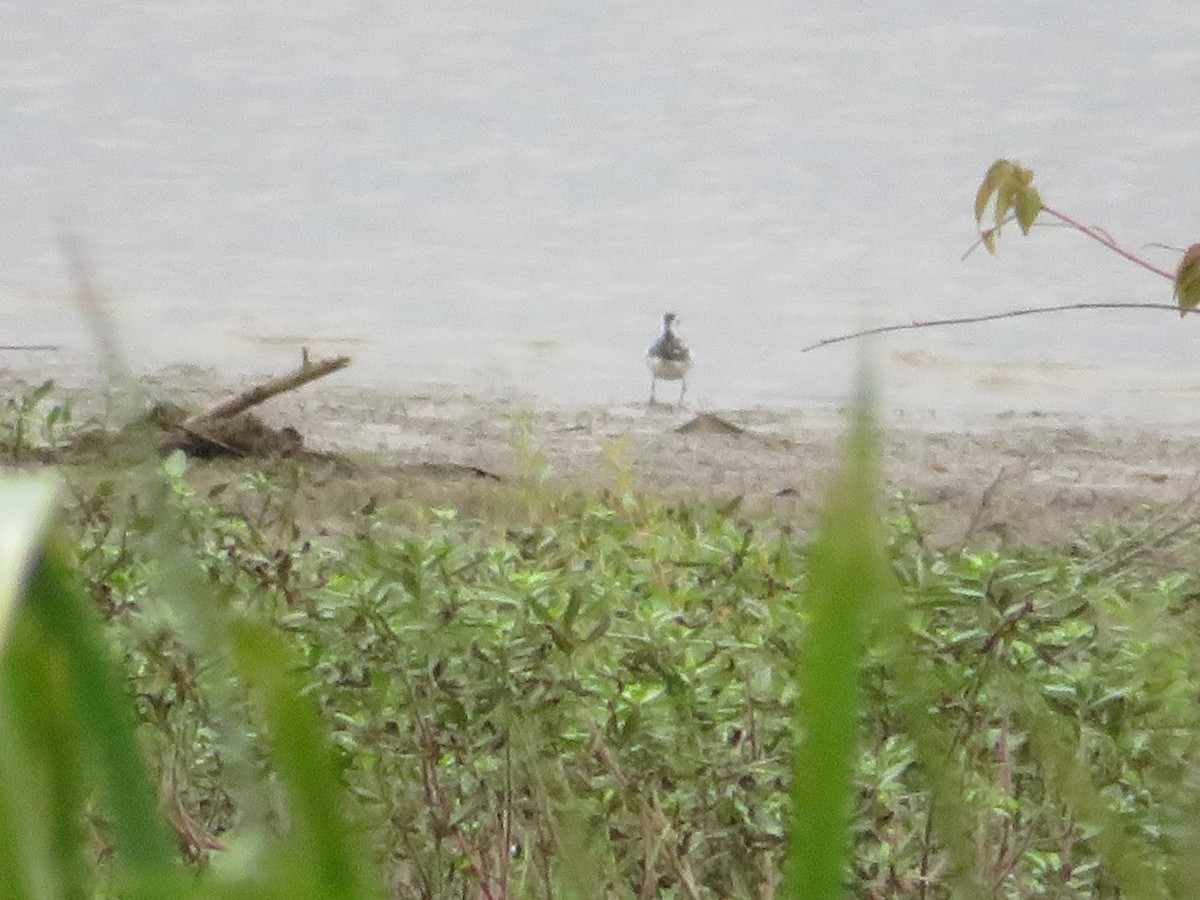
[(26, 503), (996, 175), (320, 851), (99, 708), (175, 465), (39, 393), (1009, 187), (1187, 280), (848, 581), (1131, 861), (1006, 198), (43, 785), (1028, 205)]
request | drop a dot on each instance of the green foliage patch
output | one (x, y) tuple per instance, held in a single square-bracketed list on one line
[(592, 695), (605, 704)]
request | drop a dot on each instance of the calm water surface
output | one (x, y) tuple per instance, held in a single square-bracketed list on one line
[(460, 194)]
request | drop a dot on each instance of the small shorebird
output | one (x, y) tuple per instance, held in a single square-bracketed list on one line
[(669, 358)]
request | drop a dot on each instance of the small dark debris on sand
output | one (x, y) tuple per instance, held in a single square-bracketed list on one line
[(244, 435), (708, 423), (162, 429), (446, 470)]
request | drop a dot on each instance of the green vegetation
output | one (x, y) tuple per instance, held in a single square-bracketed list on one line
[(592, 696), (31, 427)]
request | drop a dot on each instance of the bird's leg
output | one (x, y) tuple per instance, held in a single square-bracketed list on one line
[(653, 381), (682, 390)]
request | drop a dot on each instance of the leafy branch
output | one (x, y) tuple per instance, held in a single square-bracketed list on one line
[(1007, 189)]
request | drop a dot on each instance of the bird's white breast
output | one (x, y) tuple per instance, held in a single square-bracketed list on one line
[(668, 369)]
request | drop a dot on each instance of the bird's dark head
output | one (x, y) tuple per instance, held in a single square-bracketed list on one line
[(669, 319)]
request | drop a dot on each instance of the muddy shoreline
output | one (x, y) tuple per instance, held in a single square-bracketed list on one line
[(1013, 479)]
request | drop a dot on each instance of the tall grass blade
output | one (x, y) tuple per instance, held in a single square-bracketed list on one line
[(1137, 868), (66, 714), (29, 840), (954, 819), (848, 580), (101, 707), (25, 507), (42, 782), (316, 856), (320, 839)]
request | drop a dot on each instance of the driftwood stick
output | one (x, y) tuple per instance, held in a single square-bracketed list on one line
[(308, 371), (53, 347)]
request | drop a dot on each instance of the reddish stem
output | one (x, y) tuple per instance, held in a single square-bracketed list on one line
[(1108, 242)]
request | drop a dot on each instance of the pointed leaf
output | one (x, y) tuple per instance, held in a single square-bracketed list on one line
[(1009, 187), (1006, 194), (848, 584), (25, 507), (1187, 280), (995, 175), (56, 602), (38, 394), (1029, 204)]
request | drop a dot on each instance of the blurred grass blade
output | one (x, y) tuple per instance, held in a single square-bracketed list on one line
[(64, 706), (32, 836), (953, 816), (28, 866), (317, 857), (1136, 866), (320, 850), (44, 787), (100, 707), (848, 580), (26, 503)]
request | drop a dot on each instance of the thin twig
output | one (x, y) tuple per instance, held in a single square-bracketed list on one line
[(983, 235), (52, 347), (1150, 536), (926, 847), (1159, 541), (1104, 238), (1158, 245), (1093, 231), (985, 501), (990, 317), (90, 302), (121, 395)]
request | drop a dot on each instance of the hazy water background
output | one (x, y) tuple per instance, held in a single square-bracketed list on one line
[(463, 194)]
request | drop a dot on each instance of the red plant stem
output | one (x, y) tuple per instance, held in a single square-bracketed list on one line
[(1108, 242)]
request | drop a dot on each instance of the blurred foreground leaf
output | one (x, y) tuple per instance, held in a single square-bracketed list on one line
[(66, 720), (26, 503), (848, 580)]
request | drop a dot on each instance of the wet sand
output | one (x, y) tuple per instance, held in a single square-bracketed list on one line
[(1027, 478), (1012, 478)]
